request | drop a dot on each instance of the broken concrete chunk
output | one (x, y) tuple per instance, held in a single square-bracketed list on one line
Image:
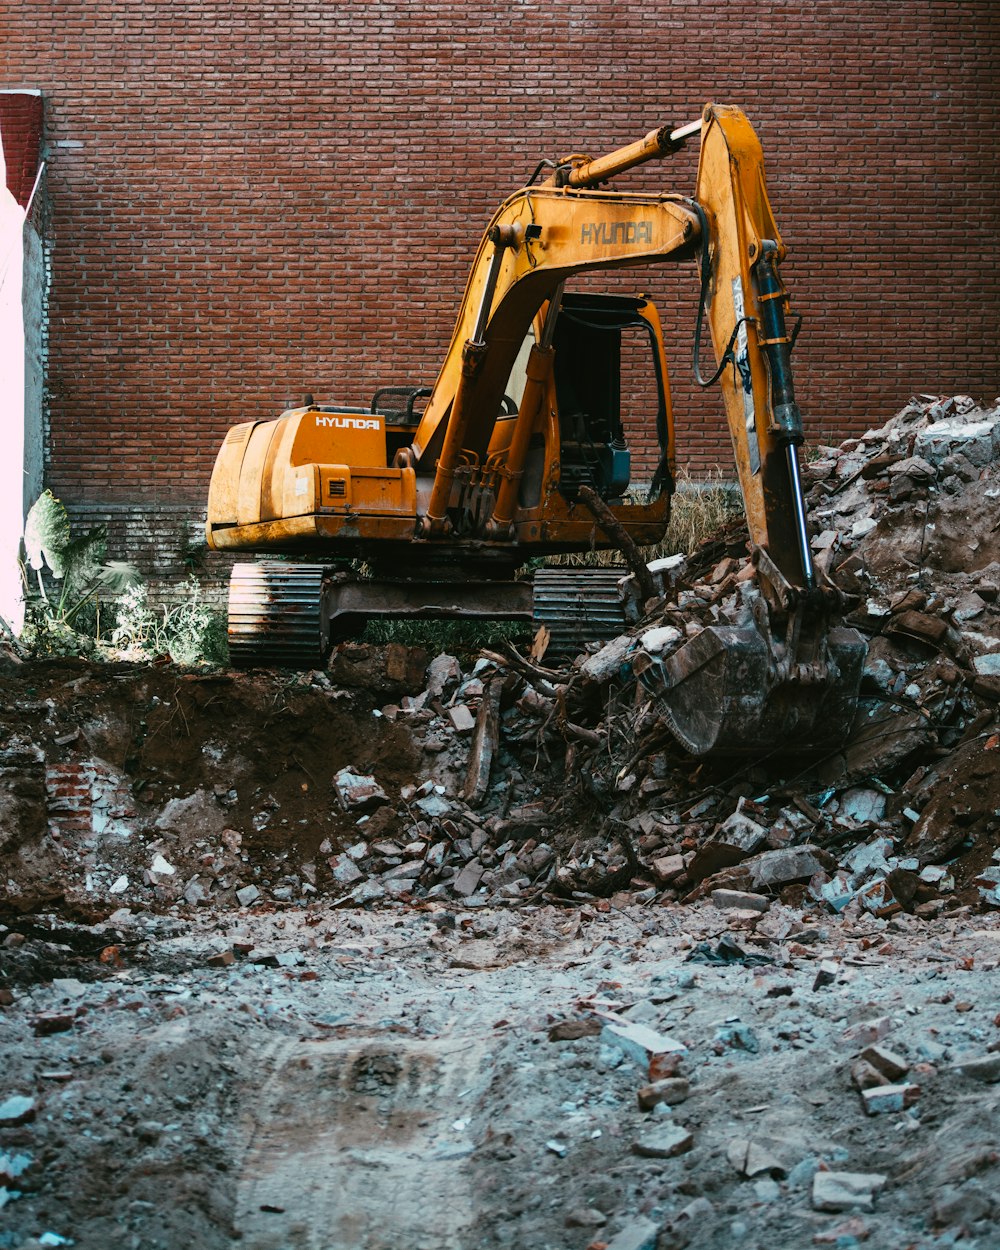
[(790, 863), (443, 673), (740, 831), (468, 879), (247, 894), (866, 1032), (845, 1191), (758, 1156), (978, 441), (664, 1143), (660, 639), (433, 805), (358, 792), (607, 663), (668, 867), (18, 1109), (885, 1099), (727, 899), (196, 814), (409, 870), (461, 718), (985, 1068), (638, 1234), (344, 870), (651, 1050), (862, 805)]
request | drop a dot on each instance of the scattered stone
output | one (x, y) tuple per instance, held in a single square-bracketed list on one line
[(247, 894), (585, 1217), (844, 1234), (671, 1090), (986, 1068), (48, 1022), (637, 1234), (664, 1142), (18, 1109), (845, 1191), (573, 1030)]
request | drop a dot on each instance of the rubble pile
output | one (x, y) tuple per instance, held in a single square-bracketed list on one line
[(520, 779)]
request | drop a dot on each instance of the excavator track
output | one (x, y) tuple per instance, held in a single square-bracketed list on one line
[(578, 606), (276, 615)]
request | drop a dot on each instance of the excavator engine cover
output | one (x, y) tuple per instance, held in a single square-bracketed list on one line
[(723, 693)]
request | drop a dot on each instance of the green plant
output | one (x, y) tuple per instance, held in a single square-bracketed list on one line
[(446, 635), (71, 576), (191, 632)]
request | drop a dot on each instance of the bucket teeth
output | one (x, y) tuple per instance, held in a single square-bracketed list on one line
[(722, 694)]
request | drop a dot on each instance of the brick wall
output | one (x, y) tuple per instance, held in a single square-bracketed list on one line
[(165, 542), (21, 127), (254, 201)]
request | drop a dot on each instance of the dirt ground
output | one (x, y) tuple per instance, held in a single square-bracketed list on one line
[(423, 954), (386, 1079)]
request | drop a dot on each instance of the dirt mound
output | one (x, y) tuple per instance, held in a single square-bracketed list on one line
[(226, 777)]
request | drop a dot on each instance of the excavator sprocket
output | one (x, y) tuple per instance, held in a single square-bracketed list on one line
[(578, 606), (276, 615)]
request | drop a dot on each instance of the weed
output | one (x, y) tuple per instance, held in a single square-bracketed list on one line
[(697, 511), (190, 631), (468, 636)]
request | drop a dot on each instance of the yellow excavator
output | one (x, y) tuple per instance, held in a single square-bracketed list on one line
[(443, 493)]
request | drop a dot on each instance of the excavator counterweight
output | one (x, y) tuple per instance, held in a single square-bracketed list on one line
[(520, 450)]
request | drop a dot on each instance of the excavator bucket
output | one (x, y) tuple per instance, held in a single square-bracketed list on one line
[(726, 692)]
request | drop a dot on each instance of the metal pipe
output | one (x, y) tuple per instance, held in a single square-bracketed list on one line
[(473, 355), (799, 507)]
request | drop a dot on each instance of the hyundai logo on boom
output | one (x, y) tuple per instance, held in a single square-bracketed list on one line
[(616, 232), (349, 423)]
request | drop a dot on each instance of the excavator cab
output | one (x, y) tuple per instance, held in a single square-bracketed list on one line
[(608, 356)]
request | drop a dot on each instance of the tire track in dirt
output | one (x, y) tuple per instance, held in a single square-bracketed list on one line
[(349, 1138)]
